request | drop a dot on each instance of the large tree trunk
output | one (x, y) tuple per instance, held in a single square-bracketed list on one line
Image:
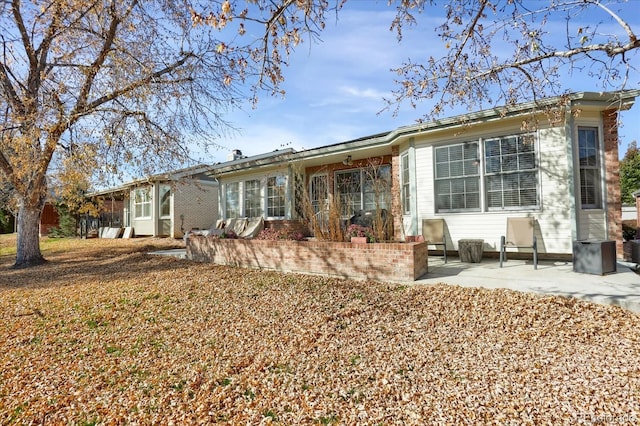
[(28, 250)]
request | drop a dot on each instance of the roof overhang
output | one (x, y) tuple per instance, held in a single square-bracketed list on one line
[(172, 176), (255, 162), (380, 144)]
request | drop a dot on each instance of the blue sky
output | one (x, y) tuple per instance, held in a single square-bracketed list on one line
[(335, 88)]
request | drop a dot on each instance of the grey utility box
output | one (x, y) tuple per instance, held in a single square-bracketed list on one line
[(594, 256)]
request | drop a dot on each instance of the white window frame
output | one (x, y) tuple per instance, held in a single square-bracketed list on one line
[(593, 168), (516, 162), (164, 190), (142, 203), (232, 189), (252, 197), (276, 196), (463, 180), (406, 184), (355, 201)]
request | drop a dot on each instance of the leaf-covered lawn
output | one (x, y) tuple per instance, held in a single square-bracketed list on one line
[(105, 333)]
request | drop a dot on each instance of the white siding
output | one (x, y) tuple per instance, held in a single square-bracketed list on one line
[(143, 226), (592, 225), (553, 219)]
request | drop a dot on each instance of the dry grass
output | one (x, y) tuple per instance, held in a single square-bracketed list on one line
[(107, 334)]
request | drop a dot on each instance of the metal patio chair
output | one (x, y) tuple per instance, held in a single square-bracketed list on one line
[(520, 234), (433, 233)]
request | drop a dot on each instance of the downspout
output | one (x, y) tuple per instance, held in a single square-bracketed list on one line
[(413, 187), (574, 216), (154, 208)]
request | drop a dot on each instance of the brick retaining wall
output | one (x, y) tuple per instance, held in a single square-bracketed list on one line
[(376, 261)]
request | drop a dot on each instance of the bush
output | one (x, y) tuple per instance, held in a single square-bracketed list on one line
[(6, 222), (230, 235), (66, 222), (272, 234), (629, 231), (361, 231)]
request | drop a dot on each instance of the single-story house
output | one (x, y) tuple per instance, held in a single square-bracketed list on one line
[(167, 204), (555, 161)]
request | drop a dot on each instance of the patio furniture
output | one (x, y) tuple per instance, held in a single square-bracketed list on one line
[(433, 233), (594, 256), (520, 234), (253, 228), (470, 250), (235, 225)]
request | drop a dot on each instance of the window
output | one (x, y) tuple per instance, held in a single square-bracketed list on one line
[(511, 172), (376, 187), (319, 192), (457, 183), (165, 201), (252, 199), (232, 200), (142, 204), (589, 167), (276, 186), (349, 191), (406, 196), (364, 189)]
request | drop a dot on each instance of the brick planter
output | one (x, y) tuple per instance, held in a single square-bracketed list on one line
[(375, 261)]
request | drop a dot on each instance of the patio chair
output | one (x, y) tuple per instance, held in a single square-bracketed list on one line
[(520, 234), (433, 233)]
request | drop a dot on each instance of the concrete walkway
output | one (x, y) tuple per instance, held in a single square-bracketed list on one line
[(621, 288)]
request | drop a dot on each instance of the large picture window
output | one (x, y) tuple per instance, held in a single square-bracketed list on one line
[(349, 185), (142, 203), (457, 182), (232, 200), (589, 168), (276, 189), (511, 172), (364, 189), (252, 201)]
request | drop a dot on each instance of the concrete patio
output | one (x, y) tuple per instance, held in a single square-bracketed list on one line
[(621, 288)]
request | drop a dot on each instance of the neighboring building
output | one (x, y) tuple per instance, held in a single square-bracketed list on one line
[(473, 170), (628, 212), (166, 205), (49, 219)]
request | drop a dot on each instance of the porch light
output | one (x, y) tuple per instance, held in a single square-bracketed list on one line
[(347, 161)]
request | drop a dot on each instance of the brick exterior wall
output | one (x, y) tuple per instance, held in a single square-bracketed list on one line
[(197, 203), (382, 262), (612, 179)]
